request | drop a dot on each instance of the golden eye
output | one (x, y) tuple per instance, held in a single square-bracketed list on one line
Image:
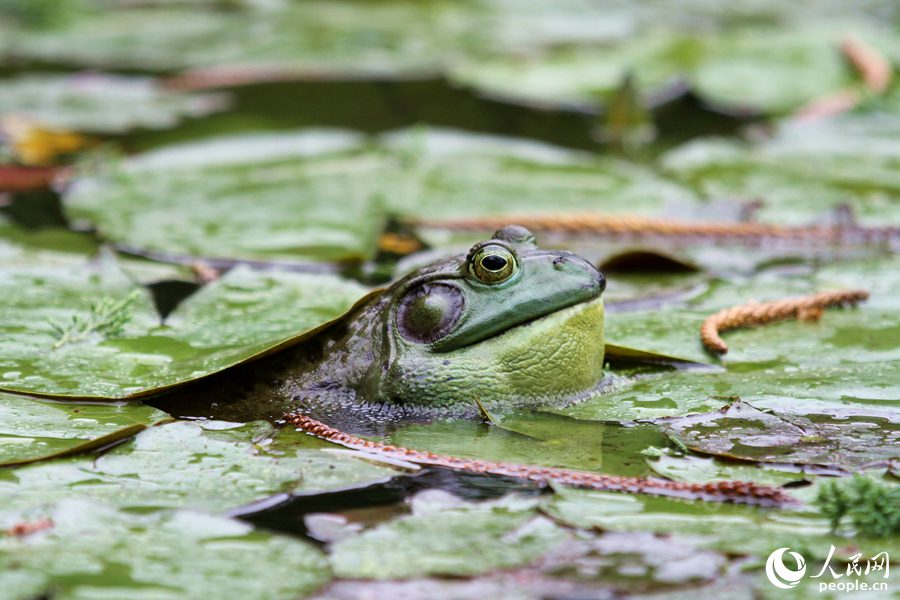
[(493, 264)]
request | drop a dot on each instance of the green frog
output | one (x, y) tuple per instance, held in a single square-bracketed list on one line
[(507, 324)]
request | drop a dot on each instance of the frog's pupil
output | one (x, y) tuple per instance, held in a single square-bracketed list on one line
[(493, 262)]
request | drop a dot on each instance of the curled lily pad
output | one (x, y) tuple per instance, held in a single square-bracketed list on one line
[(846, 440), (212, 466), (99, 103), (737, 69), (89, 550), (33, 430), (89, 331)]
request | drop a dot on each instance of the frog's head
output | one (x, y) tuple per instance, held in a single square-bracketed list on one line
[(508, 323)]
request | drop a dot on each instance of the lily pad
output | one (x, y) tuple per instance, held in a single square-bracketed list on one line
[(750, 67), (99, 103), (301, 197), (727, 528), (848, 440), (91, 551), (351, 38), (321, 196), (805, 170), (587, 567), (438, 540), (33, 430), (212, 466), (309, 39), (847, 358), (451, 174), (58, 247), (239, 316), (691, 468)]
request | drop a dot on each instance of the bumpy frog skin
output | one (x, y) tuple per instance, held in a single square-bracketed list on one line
[(533, 335), (507, 324)]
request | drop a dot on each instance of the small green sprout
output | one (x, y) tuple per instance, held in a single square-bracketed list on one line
[(106, 317)]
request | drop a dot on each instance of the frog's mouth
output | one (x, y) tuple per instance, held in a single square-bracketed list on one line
[(557, 317)]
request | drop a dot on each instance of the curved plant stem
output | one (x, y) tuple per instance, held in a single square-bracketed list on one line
[(754, 314), (637, 226), (720, 491)]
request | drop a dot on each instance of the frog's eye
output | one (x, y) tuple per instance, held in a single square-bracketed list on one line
[(428, 313), (493, 264)]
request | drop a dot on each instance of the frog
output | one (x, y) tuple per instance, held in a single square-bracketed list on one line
[(507, 324)]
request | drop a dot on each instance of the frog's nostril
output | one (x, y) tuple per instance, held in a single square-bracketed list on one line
[(601, 282)]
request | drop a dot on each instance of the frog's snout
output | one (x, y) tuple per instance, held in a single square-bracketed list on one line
[(574, 265)]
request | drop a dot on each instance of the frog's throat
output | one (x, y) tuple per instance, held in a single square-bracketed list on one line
[(547, 360)]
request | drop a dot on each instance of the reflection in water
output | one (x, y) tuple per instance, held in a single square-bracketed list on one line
[(387, 499)]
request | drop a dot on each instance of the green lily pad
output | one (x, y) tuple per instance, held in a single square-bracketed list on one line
[(586, 567), (273, 196), (93, 551), (33, 430), (438, 539), (287, 197), (351, 38), (727, 528), (805, 170), (99, 103), (769, 69), (451, 174), (848, 440), (347, 38), (58, 247), (233, 319), (847, 358), (212, 466), (691, 468)]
